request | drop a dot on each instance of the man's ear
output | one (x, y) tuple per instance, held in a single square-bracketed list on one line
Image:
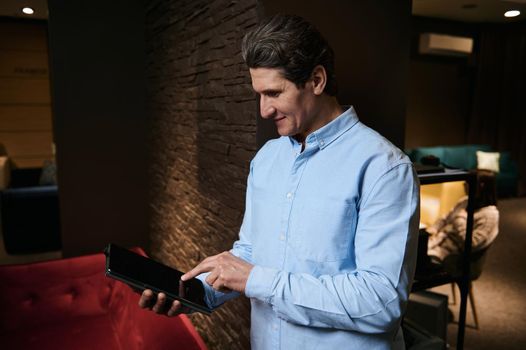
[(319, 79)]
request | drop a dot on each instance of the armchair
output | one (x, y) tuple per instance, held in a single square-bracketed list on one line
[(29, 214)]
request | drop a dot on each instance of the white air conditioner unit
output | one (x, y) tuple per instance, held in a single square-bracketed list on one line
[(447, 45)]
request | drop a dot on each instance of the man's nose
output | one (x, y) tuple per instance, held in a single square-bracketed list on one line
[(265, 108)]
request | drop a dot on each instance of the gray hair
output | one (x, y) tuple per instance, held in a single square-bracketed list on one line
[(293, 45)]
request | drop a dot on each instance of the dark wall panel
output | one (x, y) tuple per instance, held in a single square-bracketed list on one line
[(440, 88), (371, 41), (98, 100)]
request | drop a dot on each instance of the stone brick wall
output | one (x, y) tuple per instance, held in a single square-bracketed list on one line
[(203, 134)]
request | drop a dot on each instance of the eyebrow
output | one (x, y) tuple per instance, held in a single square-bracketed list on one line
[(271, 91)]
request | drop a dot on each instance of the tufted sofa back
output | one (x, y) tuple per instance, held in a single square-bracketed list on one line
[(53, 291), (70, 303)]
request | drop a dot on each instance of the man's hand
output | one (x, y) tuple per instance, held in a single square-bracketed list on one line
[(158, 305), (227, 272)]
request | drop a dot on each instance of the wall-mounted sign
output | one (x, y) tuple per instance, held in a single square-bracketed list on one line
[(30, 71)]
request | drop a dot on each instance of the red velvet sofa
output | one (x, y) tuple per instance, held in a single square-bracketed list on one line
[(71, 304)]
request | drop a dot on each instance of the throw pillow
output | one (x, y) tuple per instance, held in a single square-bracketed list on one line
[(49, 174), (5, 172), (488, 161)]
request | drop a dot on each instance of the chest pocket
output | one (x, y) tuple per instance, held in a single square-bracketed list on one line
[(325, 231)]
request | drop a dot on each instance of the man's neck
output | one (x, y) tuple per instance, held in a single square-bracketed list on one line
[(332, 110), (328, 110)]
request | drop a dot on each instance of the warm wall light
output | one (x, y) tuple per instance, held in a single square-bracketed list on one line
[(28, 10), (512, 13)]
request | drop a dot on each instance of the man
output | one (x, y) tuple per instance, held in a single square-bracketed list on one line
[(327, 248)]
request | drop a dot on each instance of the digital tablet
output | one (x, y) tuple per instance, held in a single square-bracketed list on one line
[(143, 273)]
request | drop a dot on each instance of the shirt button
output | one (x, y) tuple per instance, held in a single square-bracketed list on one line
[(275, 327), (289, 195), (282, 237), (322, 142)]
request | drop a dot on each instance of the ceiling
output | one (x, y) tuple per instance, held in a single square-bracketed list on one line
[(470, 10), (13, 8), (458, 10)]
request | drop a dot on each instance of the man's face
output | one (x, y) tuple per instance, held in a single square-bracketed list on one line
[(292, 109)]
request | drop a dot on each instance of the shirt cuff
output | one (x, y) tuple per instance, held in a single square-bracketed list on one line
[(260, 283), (209, 291)]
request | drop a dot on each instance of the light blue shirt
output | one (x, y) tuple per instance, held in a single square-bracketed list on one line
[(332, 232)]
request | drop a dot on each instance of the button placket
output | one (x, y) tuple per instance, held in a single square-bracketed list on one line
[(298, 165)]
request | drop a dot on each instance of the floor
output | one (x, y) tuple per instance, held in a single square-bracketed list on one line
[(499, 292)]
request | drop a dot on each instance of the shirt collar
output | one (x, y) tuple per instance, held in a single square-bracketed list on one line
[(331, 131)]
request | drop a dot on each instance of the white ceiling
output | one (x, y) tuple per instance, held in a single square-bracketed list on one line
[(470, 10), (477, 11), (13, 8)]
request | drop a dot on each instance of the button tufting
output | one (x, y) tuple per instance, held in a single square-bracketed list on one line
[(30, 299)]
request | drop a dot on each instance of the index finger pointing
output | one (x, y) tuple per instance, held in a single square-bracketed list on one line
[(204, 266)]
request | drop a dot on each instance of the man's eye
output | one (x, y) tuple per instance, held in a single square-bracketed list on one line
[(273, 94)]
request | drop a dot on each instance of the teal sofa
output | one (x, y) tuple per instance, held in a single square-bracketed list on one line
[(465, 157)]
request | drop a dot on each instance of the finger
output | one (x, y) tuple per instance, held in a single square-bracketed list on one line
[(222, 288), (159, 305), (205, 266), (219, 284), (175, 309), (212, 277), (146, 299)]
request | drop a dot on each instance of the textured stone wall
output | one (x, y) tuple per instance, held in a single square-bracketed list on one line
[(203, 122)]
